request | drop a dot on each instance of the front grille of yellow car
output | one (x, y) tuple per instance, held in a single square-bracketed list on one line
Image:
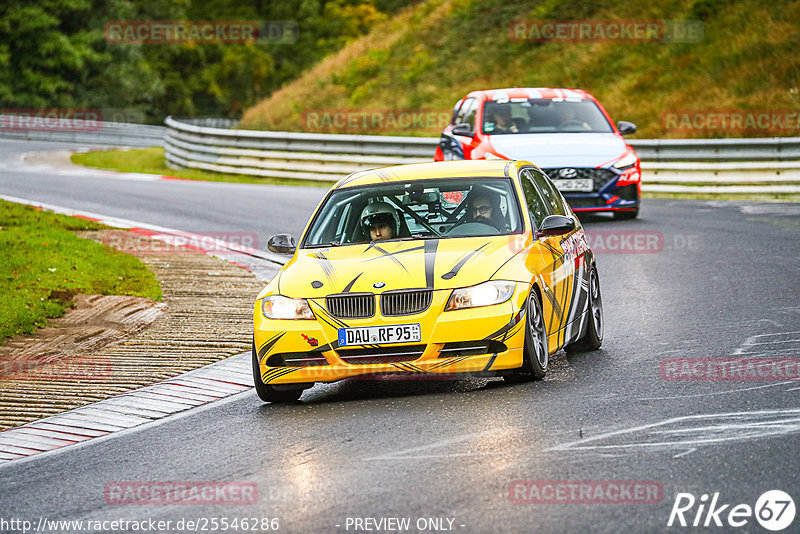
[(369, 355), (405, 301), (351, 306), (471, 348)]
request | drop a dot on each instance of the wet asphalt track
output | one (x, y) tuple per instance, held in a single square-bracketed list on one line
[(719, 274)]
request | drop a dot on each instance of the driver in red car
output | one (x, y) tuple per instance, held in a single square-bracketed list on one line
[(502, 121)]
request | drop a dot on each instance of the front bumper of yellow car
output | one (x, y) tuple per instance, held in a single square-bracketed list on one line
[(473, 340)]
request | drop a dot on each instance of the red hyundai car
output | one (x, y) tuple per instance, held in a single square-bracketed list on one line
[(566, 132)]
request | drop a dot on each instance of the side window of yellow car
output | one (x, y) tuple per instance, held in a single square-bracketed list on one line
[(536, 205), (551, 196)]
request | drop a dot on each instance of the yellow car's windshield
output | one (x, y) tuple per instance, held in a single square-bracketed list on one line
[(419, 209)]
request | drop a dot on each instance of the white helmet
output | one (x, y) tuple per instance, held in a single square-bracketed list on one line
[(376, 212)]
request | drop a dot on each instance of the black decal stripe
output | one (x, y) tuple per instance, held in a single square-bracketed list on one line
[(415, 368), (551, 248), (554, 307), (320, 314), (461, 262), (514, 331), (576, 302), (277, 372), (275, 377), (384, 176), (326, 265), (391, 255), (329, 319), (449, 362), (274, 372), (490, 362), (349, 286), (515, 319), (430, 261), (268, 345), (564, 295), (354, 176)]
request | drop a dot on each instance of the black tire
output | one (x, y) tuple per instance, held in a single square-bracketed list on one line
[(268, 393), (593, 337), (537, 355)]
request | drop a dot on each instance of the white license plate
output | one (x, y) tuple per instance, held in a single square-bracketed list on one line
[(380, 335), (582, 184)]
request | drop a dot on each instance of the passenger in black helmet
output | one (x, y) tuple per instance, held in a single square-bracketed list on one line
[(380, 221)]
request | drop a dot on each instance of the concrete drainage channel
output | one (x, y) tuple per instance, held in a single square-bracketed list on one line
[(195, 286)]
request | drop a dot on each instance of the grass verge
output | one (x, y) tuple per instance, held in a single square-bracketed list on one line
[(43, 264), (151, 161)]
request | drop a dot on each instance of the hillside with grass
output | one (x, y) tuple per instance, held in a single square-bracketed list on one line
[(426, 57)]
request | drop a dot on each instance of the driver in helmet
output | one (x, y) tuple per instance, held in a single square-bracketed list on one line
[(380, 221)]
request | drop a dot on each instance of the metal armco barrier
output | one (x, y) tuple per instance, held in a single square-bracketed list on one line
[(747, 166), (758, 165), (97, 133)]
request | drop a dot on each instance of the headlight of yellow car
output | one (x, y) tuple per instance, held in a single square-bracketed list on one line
[(485, 294), (280, 307)]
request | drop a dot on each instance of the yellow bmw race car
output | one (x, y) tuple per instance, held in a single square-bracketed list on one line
[(428, 269)]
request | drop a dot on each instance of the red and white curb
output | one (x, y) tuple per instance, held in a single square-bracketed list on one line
[(139, 407), (261, 263)]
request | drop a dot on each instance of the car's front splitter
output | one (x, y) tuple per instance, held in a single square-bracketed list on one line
[(446, 336)]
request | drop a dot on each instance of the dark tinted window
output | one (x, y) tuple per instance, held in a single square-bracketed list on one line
[(552, 198), (536, 206)]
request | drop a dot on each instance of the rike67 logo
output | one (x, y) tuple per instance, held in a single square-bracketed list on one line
[(774, 510)]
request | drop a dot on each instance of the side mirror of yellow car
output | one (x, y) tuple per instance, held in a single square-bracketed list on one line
[(282, 244), (555, 225)]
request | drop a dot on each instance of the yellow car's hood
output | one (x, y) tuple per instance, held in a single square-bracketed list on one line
[(436, 263)]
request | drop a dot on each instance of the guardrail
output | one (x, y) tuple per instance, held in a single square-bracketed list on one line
[(95, 133), (669, 165), (760, 165)]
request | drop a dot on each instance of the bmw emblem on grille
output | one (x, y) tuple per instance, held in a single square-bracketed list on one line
[(568, 173), (378, 285)]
